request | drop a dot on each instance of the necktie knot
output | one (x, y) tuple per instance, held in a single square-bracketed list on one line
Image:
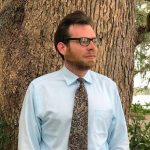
[(81, 80)]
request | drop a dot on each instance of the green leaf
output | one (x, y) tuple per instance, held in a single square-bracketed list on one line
[(147, 126), (3, 124), (139, 118)]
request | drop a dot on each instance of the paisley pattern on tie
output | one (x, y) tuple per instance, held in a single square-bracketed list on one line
[(79, 126)]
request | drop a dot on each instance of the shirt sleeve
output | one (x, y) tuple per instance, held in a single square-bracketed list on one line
[(29, 124), (118, 136)]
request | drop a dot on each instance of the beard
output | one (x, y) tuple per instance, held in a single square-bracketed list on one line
[(78, 62)]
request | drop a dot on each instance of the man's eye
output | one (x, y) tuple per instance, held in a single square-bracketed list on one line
[(84, 40), (94, 40)]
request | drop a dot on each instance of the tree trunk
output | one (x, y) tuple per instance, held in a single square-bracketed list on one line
[(27, 47)]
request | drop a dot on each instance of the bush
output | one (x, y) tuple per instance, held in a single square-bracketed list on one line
[(139, 130)]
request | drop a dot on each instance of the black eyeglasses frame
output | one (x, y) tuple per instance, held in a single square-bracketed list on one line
[(89, 39)]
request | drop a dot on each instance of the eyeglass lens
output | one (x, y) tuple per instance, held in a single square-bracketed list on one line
[(86, 41)]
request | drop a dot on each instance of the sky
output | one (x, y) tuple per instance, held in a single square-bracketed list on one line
[(138, 81)]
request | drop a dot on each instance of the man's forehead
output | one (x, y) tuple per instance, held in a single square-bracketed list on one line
[(81, 30)]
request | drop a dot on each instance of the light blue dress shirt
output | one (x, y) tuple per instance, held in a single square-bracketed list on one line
[(46, 114)]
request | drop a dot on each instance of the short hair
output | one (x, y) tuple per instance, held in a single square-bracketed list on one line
[(62, 32)]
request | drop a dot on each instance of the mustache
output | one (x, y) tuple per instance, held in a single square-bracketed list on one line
[(91, 54)]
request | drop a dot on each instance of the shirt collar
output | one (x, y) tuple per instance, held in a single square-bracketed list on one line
[(71, 77)]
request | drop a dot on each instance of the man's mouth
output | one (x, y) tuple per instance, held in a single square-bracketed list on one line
[(90, 56)]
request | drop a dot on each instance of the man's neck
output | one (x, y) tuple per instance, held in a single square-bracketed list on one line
[(78, 72)]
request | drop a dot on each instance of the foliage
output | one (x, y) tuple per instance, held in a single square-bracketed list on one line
[(141, 14), (3, 137), (139, 130), (142, 8), (142, 52), (142, 90), (138, 108)]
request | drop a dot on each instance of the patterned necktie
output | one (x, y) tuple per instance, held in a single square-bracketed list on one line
[(79, 125)]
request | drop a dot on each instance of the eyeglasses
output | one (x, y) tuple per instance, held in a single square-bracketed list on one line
[(84, 41)]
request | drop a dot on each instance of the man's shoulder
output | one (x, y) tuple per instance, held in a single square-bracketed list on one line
[(47, 77), (102, 78)]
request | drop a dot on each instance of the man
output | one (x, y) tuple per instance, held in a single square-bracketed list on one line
[(49, 117)]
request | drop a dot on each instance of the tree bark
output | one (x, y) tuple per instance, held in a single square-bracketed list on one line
[(27, 48)]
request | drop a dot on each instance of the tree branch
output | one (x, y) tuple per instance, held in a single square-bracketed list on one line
[(148, 22)]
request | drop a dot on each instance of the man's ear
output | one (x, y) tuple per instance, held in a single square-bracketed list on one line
[(61, 48)]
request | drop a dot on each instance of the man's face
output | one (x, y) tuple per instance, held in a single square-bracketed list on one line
[(77, 56)]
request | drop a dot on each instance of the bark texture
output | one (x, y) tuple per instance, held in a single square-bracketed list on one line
[(27, 49)]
